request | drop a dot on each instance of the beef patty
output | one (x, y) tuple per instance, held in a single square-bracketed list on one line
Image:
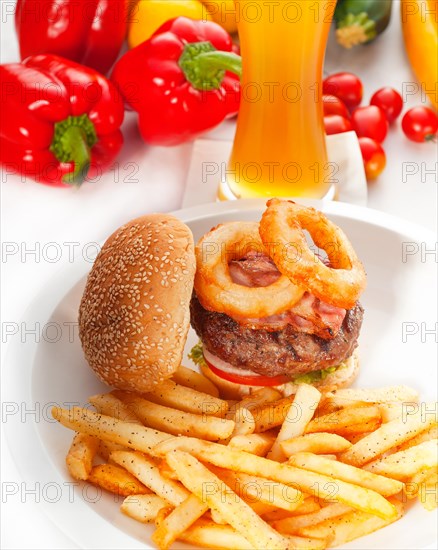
[(271, 353)]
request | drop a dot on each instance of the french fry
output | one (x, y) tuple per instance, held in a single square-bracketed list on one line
[(108, 404), (307, 506), (143, 508), (319, 443), (149, 474), (166, 470), (128, 434), (412, 487), (258, 444), (210, 489), (292, 525), (376, 395), (260, 397), (309, 482), (346, 472), (208, 534), (391, 411), (183, 398), (107, 447), (179, 519), (405, 464), (81, 454), (244, 423), (298, 416), (271, 415), (252, 489), (350, 420), (426, 435), (195, 380), (389, 435), (117, 480), (175, 421), (428, 492), (350, 526)]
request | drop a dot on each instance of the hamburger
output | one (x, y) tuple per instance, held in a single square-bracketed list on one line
[(149, 282), (311, 339)]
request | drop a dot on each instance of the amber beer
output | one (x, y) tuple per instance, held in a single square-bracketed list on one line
[(279, 148)]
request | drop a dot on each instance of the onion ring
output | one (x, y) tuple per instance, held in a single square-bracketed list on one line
[(213, 284), (281, 230)]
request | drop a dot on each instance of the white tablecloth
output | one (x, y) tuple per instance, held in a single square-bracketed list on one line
[(41, 227)]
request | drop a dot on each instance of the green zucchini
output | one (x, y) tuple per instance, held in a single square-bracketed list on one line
[(361, 21)]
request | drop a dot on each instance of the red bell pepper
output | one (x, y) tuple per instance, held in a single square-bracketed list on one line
[(60, 120), (90, 32), (181, 80)]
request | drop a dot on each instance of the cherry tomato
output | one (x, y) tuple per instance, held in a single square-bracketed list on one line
[(374, 158), (370, 122), (346, 86), (334, 106), (420, 124), (336, 124), (390, 101), (256, 380)]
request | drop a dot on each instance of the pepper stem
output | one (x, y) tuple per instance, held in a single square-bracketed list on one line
[(72, 142), (74, 139), (355, 29), (204, 66)]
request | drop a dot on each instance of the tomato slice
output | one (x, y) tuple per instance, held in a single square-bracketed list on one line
[(256, 380)]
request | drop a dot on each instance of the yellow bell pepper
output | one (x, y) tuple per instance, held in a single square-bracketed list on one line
[(420, 34), (148, 15), (223, 13)]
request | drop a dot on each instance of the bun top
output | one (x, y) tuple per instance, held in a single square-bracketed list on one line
[(134, 313)]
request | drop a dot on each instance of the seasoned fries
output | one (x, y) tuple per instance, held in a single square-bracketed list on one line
[(350, 526), (117, 480), (177, 422), (209, 488), (195, 464), (302, 480), (318, 443), (193, 379), (258, 444), (178, 521), (346, 472), (80, 456), (298, 416), (125, 433), (109, 405), (183, 398), (270, 415), (143, 508), (405, 464), (149, 474), (387, 436), (345, 421)]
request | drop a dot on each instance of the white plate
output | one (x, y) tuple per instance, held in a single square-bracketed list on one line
[(400, 307)]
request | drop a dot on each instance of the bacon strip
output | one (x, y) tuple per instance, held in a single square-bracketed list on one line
[(309, 315)]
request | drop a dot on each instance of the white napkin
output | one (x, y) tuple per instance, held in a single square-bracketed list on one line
[(210, 157)]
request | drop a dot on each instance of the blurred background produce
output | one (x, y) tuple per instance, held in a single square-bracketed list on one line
[(59, 120), (420, 32), (91, 32), (148, 15), (179, 81), (361, 21)]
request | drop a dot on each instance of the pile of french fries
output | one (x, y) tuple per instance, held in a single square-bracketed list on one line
[(309, 471)]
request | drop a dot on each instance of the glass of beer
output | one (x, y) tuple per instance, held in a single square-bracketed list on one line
[(279, 147)]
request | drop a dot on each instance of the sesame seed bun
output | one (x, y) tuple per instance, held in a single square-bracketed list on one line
[(134, 313)]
